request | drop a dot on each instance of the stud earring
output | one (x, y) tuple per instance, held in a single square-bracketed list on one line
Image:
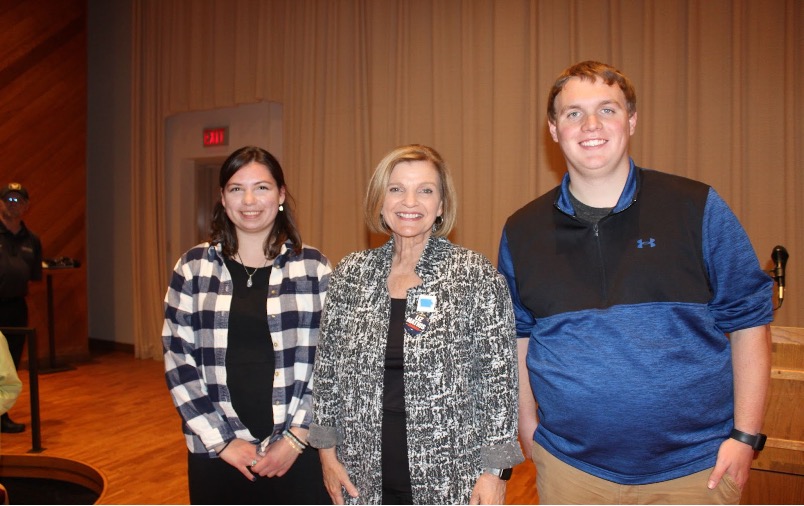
[(281, 208)]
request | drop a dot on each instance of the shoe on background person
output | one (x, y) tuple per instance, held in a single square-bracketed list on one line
[(10, 426)]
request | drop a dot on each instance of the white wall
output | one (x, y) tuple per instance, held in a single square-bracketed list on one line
[(108, 168)]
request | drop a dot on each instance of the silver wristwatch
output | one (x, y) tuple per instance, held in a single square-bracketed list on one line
[(503, 474)]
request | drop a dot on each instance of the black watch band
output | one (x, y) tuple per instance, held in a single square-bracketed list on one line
[(756, 442)]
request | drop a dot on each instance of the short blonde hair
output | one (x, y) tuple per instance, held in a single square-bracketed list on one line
[(375, 195)]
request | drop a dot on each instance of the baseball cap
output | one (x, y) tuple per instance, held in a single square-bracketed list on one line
[(14, 188)]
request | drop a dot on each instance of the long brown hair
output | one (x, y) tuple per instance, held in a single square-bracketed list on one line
[(223, 230)]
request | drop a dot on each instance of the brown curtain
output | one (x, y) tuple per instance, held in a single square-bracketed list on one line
[(719, 85)]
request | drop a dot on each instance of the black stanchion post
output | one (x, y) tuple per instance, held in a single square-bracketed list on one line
[(33, 382), (33, 378)]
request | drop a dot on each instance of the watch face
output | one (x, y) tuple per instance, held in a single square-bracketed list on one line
[(506, 474)]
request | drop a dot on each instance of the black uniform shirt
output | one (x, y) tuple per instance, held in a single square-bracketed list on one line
[(20, 261)]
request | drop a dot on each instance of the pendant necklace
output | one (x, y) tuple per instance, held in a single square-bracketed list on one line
[(249, 283)]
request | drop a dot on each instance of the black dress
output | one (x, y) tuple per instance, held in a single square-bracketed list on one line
[(250, 365)]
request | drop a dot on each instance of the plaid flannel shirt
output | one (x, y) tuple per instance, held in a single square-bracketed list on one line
[(195, 333)]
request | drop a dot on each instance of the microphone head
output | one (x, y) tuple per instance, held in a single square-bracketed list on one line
[(780, 256)]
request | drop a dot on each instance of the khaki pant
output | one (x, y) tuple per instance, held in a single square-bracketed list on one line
[(560, 483)]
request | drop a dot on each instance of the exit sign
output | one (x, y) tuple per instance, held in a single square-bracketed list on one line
[(216, 137)]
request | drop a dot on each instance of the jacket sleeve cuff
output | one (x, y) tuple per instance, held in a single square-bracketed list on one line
[(501, 456), (323, 437)]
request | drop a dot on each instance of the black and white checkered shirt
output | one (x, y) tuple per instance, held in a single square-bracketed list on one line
[(195, 333)]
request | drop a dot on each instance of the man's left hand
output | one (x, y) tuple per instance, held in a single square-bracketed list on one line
[(733, 458)]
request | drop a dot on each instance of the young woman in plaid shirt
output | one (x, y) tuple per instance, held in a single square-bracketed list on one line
[(241, 328)]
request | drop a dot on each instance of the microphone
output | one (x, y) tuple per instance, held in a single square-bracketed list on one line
[(779, 256)]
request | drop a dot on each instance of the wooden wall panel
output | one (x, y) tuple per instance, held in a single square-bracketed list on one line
[(777, 475), (43, 116)]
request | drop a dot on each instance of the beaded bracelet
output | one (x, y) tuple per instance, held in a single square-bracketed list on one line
[(296, 438), (293, 442)]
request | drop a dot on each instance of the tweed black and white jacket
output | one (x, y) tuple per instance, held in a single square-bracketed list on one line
[(460, 372)]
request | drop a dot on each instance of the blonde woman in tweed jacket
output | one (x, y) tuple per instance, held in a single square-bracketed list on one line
[(415, 390)]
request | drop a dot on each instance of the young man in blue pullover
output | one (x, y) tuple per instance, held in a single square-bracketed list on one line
[(642, 313)]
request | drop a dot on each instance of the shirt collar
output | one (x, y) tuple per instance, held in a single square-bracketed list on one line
[(627, 196)]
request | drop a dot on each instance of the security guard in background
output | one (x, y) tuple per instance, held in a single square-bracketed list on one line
[(20, 262)]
